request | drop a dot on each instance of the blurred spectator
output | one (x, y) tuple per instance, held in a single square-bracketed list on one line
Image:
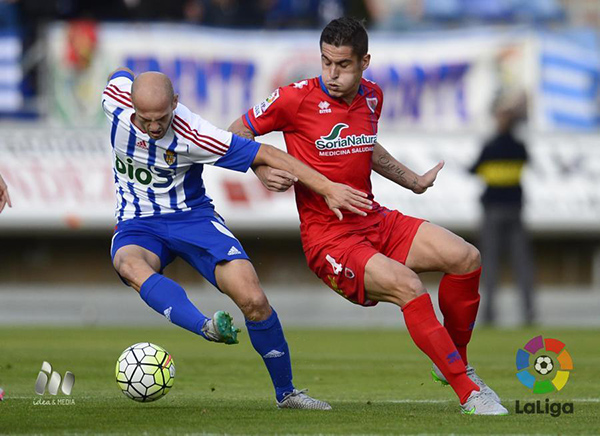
[(226, 13), (82, 38), (286, 14), (415, 14), (395, 14), (9, 15), (500, 165), (153, 10)]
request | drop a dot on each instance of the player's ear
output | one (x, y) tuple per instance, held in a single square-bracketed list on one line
[(175, 101), (366, 60)]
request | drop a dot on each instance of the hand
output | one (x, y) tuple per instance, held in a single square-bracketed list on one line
[(274, 180), (4, 197), (339, 196), (422, 183)]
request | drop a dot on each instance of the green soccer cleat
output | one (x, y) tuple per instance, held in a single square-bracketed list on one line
[(438, 378), (221, 329)]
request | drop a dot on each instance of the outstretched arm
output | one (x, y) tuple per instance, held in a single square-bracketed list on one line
[(337, 196), (387, 166), (4, 197), (273, 179)]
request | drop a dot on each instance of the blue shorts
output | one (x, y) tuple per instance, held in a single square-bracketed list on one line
[(198, 237)]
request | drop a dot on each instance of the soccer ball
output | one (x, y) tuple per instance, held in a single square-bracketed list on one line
[(543, 365), (145, 372)]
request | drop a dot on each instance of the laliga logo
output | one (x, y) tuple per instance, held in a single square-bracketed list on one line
[(543, 366), (551, 365), (51, 379)]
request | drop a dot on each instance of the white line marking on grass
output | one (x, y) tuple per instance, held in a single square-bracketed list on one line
[(409, 401), (346, 400)]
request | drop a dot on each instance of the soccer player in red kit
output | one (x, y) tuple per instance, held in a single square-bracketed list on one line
[(330, 123)]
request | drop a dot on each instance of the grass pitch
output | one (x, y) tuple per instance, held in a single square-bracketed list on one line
[(377, 381)]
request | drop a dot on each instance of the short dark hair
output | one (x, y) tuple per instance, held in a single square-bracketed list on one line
[(346, 31)]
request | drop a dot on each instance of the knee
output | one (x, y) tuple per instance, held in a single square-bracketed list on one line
[(126, 266), (255, 306), (467, 260), (407, 289)]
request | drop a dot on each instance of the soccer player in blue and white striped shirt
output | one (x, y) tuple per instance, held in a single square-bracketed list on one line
[(159, 151)]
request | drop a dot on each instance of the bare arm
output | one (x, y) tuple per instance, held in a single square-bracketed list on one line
[(239, 128), (387, 166), (337, 196), (273, 179), (4, 197)]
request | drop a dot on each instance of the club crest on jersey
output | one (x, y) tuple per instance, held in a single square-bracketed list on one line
[(334, 140), (142, 144), (324, 108), (372, 103), (170, 157), (262, 107)]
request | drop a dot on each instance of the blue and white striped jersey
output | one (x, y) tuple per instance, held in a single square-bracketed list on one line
[(154, 177)]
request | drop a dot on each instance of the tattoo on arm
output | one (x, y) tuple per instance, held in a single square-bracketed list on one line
[(387, 166), (245, 134), (414, 184)]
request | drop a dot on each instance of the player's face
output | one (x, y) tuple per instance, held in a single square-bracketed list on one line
[(342, 70), (155, 121)]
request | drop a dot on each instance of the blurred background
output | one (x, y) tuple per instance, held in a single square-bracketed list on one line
[(442, 64)]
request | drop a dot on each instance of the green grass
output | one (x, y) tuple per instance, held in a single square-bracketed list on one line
[(377, 381)]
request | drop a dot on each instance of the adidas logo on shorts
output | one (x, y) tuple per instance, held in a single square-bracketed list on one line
[(233, 251), (167, 313)]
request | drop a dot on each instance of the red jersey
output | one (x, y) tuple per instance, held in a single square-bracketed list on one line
[(334, 138)]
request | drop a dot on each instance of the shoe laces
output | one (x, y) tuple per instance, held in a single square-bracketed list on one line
[(474, 377), (297, 393)]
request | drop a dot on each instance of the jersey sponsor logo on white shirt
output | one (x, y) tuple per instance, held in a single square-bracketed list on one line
[(142, 174)]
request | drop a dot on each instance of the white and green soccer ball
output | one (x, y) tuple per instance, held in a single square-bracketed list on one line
[(543, 365), (145, 372)]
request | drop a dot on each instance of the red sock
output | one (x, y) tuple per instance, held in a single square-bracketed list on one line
[(433, 339), (459, 301)]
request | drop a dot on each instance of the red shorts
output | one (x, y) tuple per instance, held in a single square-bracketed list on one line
[(340, 262)]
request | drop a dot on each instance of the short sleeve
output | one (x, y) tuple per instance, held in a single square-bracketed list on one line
[(275, 113), (240, 155), (207, 143), (117, 93)]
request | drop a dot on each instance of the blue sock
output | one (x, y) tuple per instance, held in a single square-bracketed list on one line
[(268, 340), (169, 299)]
